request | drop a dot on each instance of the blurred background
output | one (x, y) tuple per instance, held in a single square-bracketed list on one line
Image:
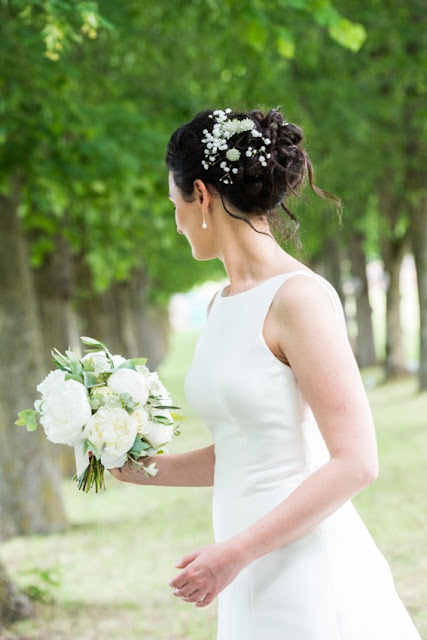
[(90, 94)]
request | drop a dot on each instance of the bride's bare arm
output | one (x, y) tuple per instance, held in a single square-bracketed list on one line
[(189, 469)]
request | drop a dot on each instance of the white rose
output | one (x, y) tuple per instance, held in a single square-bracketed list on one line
[(154, 432), (65, 410), (132, 382), (100, 361), (113, 433)]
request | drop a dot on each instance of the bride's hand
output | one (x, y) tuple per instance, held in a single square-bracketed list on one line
[(206, 572)]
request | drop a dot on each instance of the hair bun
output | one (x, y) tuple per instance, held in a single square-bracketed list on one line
[(275, 127)]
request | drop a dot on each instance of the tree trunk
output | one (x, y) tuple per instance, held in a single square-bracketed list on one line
[(151, 322), (393, 252), (14, 605), (55, 286), (332, 271), (365, 345), (418, 231), (123, 318), (30, 481), (54, 282)]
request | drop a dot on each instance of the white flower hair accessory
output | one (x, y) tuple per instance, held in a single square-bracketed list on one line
[(218, 140)]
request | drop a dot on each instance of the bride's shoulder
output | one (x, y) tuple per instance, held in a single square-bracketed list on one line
[(307, 299)]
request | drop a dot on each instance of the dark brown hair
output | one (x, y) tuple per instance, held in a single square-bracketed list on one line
[(256, 190)]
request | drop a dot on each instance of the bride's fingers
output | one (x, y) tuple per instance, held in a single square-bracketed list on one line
[(207, 599), (193, 597)]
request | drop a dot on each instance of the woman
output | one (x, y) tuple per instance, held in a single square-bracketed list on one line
[(275, 380)]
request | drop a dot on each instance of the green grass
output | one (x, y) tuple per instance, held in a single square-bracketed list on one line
[(117, 558)]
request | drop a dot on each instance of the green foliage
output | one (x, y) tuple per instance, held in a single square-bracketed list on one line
[(132, 363), (27, 418), (39, 583), (92, 93), (139, 447), (89, 112)]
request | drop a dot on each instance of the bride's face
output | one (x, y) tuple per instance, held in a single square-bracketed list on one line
[(189, 218)]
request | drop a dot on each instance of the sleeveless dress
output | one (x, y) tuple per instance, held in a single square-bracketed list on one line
[(330, 584)]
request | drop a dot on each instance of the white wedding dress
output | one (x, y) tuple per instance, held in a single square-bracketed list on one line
[(331, 584)]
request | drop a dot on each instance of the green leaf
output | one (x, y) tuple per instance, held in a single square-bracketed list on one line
[(76, 367), (165, 406), (325, 14), (255, 34), (93, 343), (71, 376), (88, 365), (27, 418), (162, 420), (136, 361), (89, 379), (138, 446), (131, 363), (60, 359), (351, 35), (285, 43)]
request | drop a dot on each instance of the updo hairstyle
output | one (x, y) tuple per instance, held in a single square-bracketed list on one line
[(256, 190)]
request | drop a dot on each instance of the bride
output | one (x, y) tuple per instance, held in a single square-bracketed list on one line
[(276, 382)]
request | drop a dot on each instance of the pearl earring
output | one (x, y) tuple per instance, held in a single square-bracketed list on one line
[(204, 225)]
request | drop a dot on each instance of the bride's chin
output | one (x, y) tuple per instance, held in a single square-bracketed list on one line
[(202, 255)]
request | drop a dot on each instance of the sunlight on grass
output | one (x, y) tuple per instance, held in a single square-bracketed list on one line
[(117, 557)]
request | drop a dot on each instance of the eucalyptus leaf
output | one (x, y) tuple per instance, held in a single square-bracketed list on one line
[(71, 376), (165, 406), (90, 379), (76, 367), (135, 361), (162, 420), (127, 365), (27, 418)]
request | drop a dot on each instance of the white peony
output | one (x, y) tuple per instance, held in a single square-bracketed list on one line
[(52, 380), (155, 433), (141, 418), (65, 409), (100, 361), (132, 382), (112, 432)]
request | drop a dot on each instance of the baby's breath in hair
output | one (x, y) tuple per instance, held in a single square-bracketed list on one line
[(217, 141)]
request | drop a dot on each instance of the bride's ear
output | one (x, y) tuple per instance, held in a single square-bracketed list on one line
[(201, 192)]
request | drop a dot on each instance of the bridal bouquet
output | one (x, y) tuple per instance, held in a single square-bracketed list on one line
[(117, 409)]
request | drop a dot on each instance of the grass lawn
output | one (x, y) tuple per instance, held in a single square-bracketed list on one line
[(116, 559)]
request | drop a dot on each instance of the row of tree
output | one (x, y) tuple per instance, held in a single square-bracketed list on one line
[(88, 238)]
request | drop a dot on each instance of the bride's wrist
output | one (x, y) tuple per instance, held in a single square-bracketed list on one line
[(240, 551)]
